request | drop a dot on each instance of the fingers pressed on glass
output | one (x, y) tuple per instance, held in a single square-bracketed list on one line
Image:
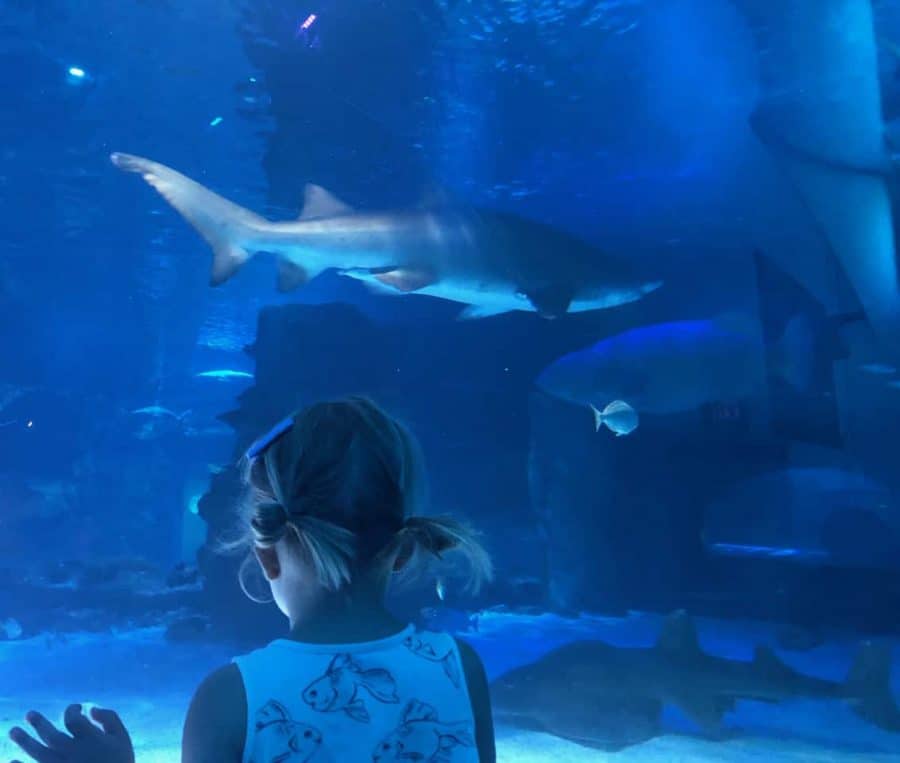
[(49, 734), (33, 748), (78, 724)]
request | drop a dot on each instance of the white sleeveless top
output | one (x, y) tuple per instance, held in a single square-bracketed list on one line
[(402, 698)]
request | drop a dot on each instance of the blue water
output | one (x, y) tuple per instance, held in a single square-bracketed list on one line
[(680, 136)]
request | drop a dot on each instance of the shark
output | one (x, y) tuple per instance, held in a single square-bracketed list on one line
[(820, 117), (607, 697), (491, 262)]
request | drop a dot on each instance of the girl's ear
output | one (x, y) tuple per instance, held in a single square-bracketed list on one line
[(268, 561)]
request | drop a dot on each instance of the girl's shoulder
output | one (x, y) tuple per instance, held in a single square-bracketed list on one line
[(216, 723)]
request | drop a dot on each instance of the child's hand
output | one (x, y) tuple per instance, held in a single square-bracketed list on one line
[(88, 743)]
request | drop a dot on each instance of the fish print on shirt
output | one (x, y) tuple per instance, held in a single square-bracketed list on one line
[(421, 648), (423, 737), (338, 689), (294, 742)]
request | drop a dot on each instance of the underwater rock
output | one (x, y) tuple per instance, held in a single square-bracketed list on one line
[(183, 575), (192, 628)]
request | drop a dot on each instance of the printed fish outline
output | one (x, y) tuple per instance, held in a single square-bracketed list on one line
[(422, 736), (301, 741), (338, 688), (426, 651)]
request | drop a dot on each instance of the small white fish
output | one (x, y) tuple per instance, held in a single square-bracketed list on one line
[(439, 589), (224, 374), (879, 369), (11, 628), (159, 411), (618, 416)]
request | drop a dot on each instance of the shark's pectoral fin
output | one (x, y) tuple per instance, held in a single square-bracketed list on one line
[(290, 275), (550, 301), (406, 279), (472, 312), (706, 711), (227, 260)]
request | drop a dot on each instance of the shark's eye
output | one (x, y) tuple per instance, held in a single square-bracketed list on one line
[(307, 734), (312, 692), (385, 746)]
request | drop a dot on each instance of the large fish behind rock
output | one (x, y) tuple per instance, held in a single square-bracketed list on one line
[(492, 262), (608, 697)]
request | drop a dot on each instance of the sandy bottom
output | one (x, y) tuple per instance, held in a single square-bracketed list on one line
[(155, 680)]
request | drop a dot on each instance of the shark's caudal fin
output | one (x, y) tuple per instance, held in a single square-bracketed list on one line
[(802, 344), (868, 687), (227, 227)]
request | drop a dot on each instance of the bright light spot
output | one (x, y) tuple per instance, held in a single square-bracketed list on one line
[(30, 424), (310, 20), (76, 72), (216, 121), (253, 79), (194, 504)]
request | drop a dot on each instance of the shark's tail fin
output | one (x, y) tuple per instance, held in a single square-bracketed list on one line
[(868, 687), (226, 226), (802, 344)]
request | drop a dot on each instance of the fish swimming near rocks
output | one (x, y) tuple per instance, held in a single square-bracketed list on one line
[(292, 740), (422, 736), (426, 651), (338, 689), (224, 374), (490, 261), (608, 697)]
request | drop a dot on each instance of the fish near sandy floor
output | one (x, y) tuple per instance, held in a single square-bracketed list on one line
[(493, 262), (607, 697)]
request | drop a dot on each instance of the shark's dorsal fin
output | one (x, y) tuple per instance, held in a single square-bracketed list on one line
[(679, 636), (317, 203)]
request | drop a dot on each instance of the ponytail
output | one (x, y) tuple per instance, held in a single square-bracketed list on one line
[(424, 539)]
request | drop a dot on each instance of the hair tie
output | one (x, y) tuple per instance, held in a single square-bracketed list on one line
[(270, 520)]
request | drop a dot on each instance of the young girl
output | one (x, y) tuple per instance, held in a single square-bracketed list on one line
[(331, 517)]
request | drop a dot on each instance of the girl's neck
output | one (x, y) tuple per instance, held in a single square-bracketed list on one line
[(345, 618)]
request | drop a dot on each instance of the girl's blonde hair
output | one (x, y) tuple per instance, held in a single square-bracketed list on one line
[(345, 483)]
